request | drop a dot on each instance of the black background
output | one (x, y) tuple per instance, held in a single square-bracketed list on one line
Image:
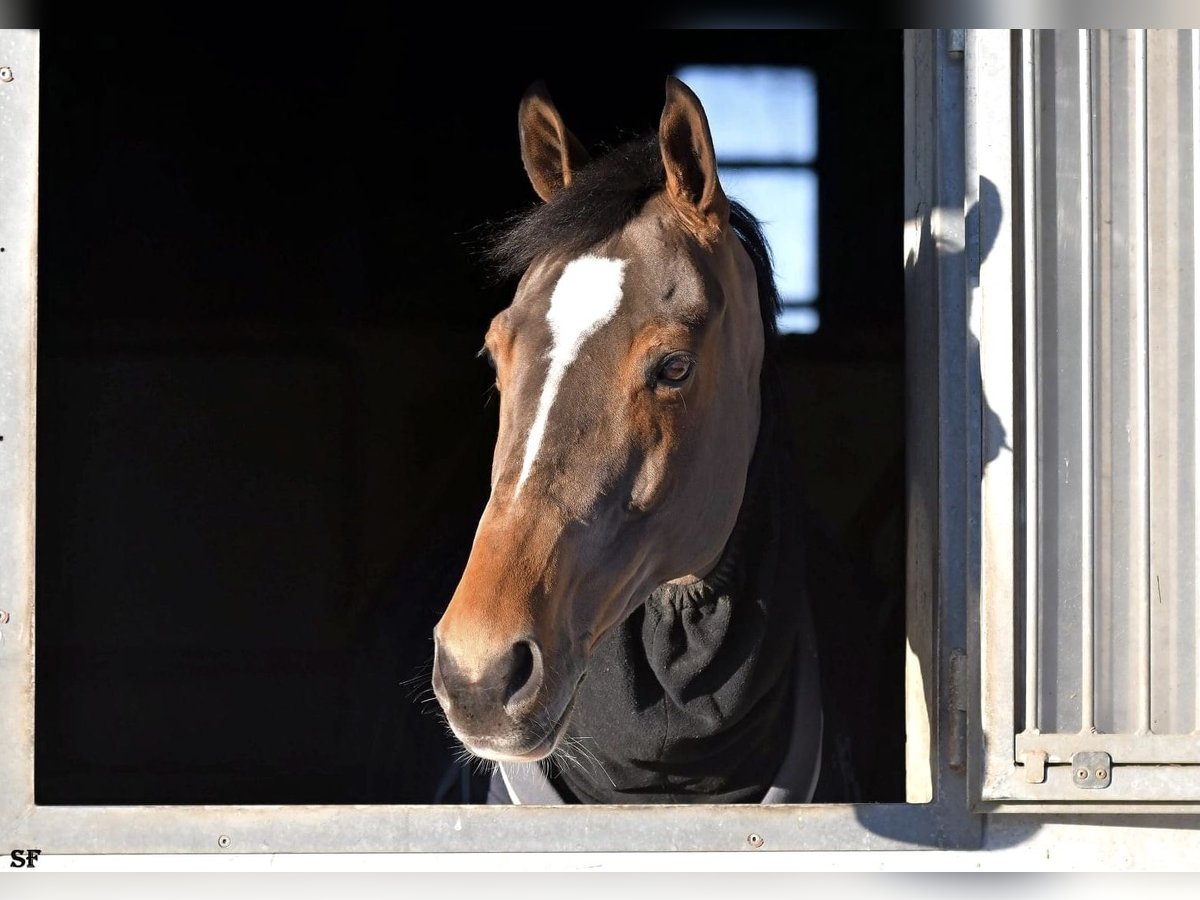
[(263, 437)]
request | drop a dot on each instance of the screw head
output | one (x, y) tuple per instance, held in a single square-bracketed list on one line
[(223, 841), (755, 840), (1082, 774), (6, 73), (1101, 774)]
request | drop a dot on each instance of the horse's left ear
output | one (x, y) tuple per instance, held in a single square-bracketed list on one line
[(693, 188), (550, 152)]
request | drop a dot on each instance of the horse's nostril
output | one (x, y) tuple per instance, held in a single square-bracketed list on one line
[(501, 682), (526, 673)]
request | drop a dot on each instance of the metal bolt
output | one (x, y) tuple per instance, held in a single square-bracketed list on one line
[(1101, 774), (754, 840), (223, 841), (6, 74), (1082, 774), (3, 616)]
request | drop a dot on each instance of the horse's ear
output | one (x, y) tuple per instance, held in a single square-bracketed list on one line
[(691, 163), (550, 152)]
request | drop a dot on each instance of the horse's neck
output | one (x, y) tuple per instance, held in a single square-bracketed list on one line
[(692, 697)]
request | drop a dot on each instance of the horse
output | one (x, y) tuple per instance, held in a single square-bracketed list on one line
[(631, 608)]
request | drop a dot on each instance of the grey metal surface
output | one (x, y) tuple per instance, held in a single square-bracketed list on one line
[(990, 155), (920, 118), (18, 274), (1120, 297), (1171, 591), (939, 460), (1063, 213), (558, 829), (1104, 623), (1091, 770), (1129, 748), (1025, 379), (1130, 359)]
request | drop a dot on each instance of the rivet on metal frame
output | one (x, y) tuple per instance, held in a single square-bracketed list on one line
[(6, 74), (1092, 771), (755, 840)]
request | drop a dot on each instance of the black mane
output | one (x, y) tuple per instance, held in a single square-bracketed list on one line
[(602, 198)]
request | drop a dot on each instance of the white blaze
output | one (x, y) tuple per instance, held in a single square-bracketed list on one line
[(587, 295)]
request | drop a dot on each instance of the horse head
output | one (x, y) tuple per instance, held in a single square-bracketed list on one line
[(628, 366)]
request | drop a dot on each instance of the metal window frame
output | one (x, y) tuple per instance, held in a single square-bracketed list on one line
[(939, 398)]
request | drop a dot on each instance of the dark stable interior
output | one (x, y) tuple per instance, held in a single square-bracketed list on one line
[(263, 434)]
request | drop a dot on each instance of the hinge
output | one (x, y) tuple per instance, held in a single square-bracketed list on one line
[(1091, 771), (956, 41)]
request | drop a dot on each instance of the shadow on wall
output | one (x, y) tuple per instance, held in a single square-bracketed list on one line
[(985, 218)]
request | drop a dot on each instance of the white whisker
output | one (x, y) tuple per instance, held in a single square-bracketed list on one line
[(577, 744)]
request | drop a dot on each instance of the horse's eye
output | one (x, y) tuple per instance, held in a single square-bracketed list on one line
[(675, 369)]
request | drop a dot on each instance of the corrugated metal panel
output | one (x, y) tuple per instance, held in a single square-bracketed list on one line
[(1107, 201)]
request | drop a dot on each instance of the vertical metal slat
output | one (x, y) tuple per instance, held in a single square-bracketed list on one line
[(1195, 92), (1087, 540), (1032, 425), (1141, 367)]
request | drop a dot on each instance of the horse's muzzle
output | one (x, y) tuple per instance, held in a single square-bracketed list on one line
[(493, 703)]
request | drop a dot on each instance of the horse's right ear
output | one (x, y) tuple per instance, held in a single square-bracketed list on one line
[(550, 152)]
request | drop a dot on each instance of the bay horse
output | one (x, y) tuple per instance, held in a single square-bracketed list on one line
[(632, 603)]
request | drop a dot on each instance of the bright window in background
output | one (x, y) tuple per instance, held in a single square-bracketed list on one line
[(764, 128)]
